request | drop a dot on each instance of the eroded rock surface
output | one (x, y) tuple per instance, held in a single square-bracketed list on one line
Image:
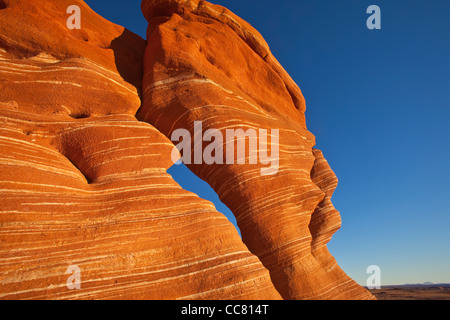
[(83, 163), (203, 63), (83, 182)]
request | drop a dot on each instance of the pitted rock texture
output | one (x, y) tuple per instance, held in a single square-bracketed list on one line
[(84, 183), (203, 63)]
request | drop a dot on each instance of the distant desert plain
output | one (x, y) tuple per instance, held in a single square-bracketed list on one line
[(426, 291)]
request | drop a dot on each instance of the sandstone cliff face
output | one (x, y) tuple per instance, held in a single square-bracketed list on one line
[(83, 164), (83, 183), (226, 77)]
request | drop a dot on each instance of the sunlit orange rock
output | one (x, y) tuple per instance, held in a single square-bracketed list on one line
[(204, 63), (83, 163), (83, 183)]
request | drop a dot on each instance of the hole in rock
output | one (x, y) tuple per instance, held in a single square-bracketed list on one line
[(80, 115), (3, 5), (190, 182)]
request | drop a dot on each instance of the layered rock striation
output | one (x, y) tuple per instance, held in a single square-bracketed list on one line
[(86, 118), (83, 183), (226, 77)]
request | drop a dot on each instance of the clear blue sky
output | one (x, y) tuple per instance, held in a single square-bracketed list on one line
[(379, 105)]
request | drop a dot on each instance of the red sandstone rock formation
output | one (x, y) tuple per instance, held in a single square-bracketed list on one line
[(83, 183), (203, 63)]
